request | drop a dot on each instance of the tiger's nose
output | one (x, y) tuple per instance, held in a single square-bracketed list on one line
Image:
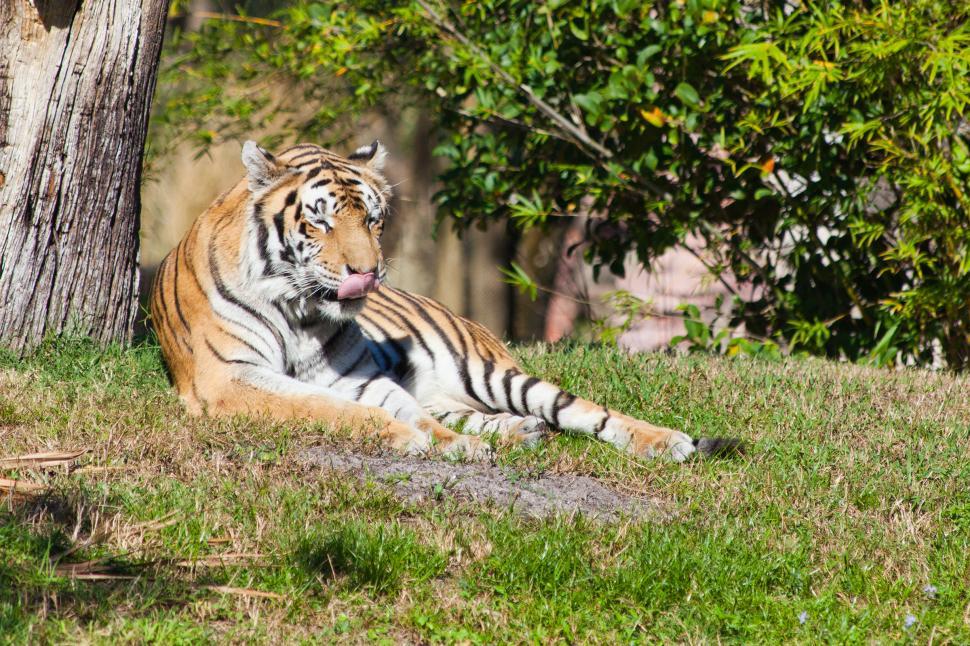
[(353, 270)]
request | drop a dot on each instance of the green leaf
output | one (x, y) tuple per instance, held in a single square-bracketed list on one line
[(686, 93), (647, 53), (517, 277), (592, 103), (578, 32)]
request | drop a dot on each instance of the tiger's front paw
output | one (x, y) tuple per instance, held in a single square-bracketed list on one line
[(467, 447), (450, 444), (407, 439)]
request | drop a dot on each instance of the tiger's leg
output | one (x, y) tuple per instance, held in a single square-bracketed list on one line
[(262, 392), (516, 429), (238, 397), (505, 387), (501, 386), (372, 389), (351, 371), (459, 359)]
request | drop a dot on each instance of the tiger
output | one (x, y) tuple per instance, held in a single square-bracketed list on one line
[(275, 304)]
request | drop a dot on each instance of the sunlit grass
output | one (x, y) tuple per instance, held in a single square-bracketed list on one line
[(848, 519)]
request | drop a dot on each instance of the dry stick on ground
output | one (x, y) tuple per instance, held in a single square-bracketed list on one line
[(36, 460), (105, 469), (20, 487), (86, 574), (89, 571), (46, 459), (102, 577), (101, 536), (161, 522), (101, 566), (216, 560), (98, 567)]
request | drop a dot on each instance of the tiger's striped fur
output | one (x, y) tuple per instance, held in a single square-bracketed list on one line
[(248, 312)]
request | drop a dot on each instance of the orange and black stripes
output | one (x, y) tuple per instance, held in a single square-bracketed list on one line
[(482, 367)]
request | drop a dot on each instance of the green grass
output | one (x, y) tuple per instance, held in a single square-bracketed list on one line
[(852, 500)]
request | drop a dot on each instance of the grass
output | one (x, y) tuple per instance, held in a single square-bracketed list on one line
[(849, 521)]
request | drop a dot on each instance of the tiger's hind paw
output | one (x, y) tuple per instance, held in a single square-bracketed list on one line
[(680, 447), (648, 441)]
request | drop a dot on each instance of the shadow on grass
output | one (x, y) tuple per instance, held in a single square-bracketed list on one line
[(54, 574), (380, 558)]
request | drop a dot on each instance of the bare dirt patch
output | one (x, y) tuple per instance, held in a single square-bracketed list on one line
[(418, 480)]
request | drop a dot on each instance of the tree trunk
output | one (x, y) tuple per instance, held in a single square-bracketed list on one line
[(76, 80)]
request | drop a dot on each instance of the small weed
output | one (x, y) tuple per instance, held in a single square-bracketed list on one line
[(9, 414), (397, 477)]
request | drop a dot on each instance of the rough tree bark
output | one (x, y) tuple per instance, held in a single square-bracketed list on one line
[(76, 80)]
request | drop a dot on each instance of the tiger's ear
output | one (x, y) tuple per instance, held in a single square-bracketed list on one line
[(371, 156), (262, 168)]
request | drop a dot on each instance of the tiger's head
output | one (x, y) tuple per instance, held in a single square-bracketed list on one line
[(316, 220)]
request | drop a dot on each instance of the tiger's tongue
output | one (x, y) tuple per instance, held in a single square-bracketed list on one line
[(357, 286)]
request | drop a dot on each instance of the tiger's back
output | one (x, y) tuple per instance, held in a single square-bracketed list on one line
[(180, 303)]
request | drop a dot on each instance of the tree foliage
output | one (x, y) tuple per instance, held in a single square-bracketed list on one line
[(819, 149)]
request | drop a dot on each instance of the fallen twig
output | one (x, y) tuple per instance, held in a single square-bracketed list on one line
[(45, 459), (84, 568), (161, 522), (103, 577), (21, 486)]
